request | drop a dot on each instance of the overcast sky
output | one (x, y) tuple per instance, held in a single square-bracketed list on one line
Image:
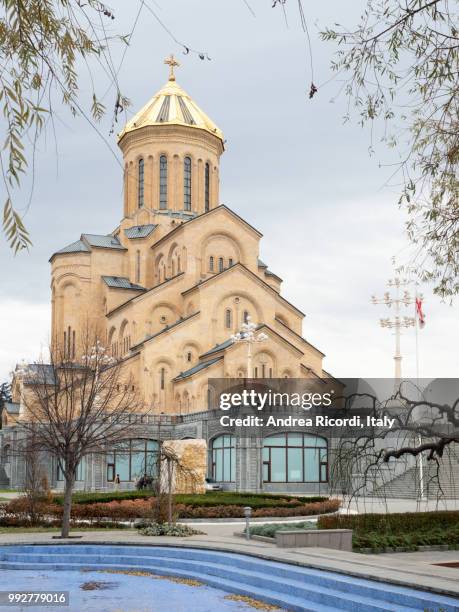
[(291, 168)]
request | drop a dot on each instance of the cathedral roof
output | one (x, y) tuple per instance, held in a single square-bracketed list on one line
[(119, 282), (197, 368), (171, 106), (106, 242), (139, 231), (76, 247)]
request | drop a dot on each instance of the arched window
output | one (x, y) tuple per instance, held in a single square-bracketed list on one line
[(228, 318), (173, 267), (246, 316), (141, 187), (178, 265), (223, 459), (188, 356), (230, 262), (220, 264), (187, 183), (207, 187), (295, 457), (163, 182), (132, 460), (162, 379), (211, 263)]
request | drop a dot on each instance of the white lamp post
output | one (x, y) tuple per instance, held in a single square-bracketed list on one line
[(248, 335)]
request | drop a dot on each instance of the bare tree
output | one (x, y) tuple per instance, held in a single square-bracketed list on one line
[(77, 407), (423, 429)]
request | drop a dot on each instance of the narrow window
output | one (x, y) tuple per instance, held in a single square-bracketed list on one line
[(163, 376), (188, 357), (73, 344), (65, 344), (246, 316), (141, 174), (255, 374), (163, 182), (178, 265), (207, 188), (187, 183), (69, 342), (270, 372), (211, 263), (173, 268), (263, 371), (220, 264), (137, 267), (230, 262), (228, 318)]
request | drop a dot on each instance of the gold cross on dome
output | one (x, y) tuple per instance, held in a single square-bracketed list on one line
[(172, 63)]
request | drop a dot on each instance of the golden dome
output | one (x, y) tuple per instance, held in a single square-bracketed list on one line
[(171, 106)]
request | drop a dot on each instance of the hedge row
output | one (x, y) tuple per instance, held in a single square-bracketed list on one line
[(410, 540), (142, 508), (402, 523), (255, 500)]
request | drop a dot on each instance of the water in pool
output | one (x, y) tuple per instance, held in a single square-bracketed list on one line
[(104, 591)]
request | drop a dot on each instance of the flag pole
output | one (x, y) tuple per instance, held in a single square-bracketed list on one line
[(416, 328)]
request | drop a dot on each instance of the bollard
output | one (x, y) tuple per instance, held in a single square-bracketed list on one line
[(247, 514)]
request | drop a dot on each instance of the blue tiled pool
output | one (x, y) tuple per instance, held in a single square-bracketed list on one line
[(118, 592), (290, 587)]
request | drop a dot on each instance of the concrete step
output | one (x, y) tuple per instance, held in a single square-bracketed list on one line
[(292, 587)]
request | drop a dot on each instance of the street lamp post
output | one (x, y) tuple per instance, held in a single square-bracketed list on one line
[(248, 335), (397, 322)]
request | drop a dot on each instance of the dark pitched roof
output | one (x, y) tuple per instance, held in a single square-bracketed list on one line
[(269, 273), (41, 373), (12, 407), (197, 368), (76, 247), (119, 282), (261, 264), (139, 231), (218, 347), (106, 242)]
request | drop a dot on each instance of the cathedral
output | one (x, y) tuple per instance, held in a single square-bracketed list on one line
[(167, 289)]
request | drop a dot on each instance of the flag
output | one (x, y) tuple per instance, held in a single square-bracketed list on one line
[(419, 313)]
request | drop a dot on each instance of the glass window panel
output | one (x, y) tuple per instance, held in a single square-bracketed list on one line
[(278, 465), (138, 467), (311, 465), (218, 442), (227, 464), (265, 472), (295, 460), (265, 454), (122, 466), (277, 440), (138, 444), (323, 473), (323, 455), (218, 464), (314, 441), (151, 463), (152, 445), (233, 467), (295, 439)]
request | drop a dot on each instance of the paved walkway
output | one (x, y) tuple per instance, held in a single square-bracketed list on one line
[(416, 570)]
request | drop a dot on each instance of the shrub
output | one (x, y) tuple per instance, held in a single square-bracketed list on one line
[(269, 531), (169, 529)]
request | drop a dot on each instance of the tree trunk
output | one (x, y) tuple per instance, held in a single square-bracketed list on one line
[(65, 529)]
